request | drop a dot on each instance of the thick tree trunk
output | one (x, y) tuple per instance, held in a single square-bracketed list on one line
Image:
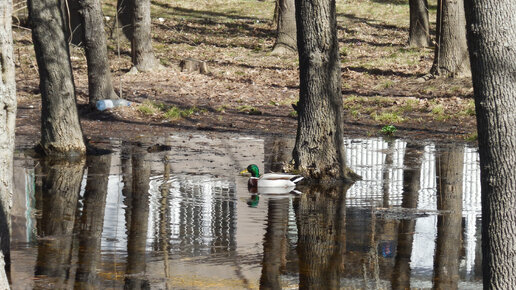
[(137, 235), (286, 41), (492, 42), (277, 221), (321, 225), (319, 150), (100, 85), (7, 128), (61, 132), (92, 222), (451, 58), (419, 29), (449, 223), (58, 204)]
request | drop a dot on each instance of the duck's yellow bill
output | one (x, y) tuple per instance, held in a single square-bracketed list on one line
[(243, 172)]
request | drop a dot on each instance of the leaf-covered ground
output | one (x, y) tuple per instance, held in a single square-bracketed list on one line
[(249, 90)]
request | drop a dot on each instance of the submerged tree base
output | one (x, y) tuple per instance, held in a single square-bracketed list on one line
[(322, 177)]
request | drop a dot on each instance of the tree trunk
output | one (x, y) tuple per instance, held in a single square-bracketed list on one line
[(321, 225), (92, 222), (451, 58), (61, 132), (100, 85), (135, 17), (273, 243), (419, 31), (7, 128), (319, 149), (137, 235), (286, 41), (449, 224), (58, 203), (492, 42)]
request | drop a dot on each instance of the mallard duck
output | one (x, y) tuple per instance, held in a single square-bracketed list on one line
[(270, 180)]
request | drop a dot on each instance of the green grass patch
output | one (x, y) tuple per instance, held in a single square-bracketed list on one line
[(148, 108), (472, 137), (249, 110), (387, 117)]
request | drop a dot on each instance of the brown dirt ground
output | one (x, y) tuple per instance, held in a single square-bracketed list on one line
[(250, 91)]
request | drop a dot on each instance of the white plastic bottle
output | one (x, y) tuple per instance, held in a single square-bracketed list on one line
[(109, 103)]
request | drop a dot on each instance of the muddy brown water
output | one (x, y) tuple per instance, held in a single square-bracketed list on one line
[(179, 216)]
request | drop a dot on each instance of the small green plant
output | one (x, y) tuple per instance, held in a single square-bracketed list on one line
[(388, 130)]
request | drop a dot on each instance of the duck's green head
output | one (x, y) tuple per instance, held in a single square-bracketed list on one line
[(253, 169)]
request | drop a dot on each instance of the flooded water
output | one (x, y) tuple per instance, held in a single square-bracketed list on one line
[(183, 218)]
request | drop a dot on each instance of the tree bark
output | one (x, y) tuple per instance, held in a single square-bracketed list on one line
[(286, 41), (135, 16), (449, 224), (92, 222), (451, 58), (100, 84), (319, 150), (419, 29), (492, 42), (7, 128), (61, 132)]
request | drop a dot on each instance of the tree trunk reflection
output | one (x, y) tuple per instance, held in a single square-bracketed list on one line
[(411, 184), (58, 204), (320, 217), (92, 221), (137, 234), (273, 246), (449, 224)]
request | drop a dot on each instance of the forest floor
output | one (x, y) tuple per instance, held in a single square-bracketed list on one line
[(249, 90)]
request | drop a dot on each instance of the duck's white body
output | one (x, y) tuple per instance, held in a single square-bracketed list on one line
[(276, 180)]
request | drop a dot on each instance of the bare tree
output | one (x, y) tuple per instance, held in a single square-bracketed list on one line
[(286, 41), (492, 41), (135, 17), (61, 132), (451, 57), (319, 149), (7, 129), (100, 84), (419, 29)]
